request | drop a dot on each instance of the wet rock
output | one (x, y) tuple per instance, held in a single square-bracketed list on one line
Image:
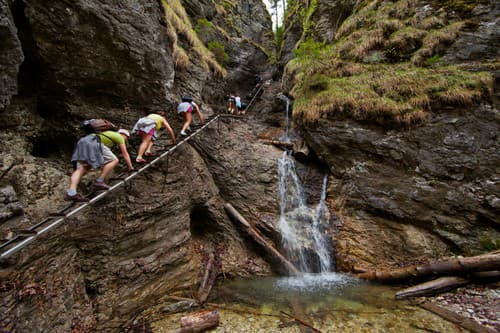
[(481, 43), (9, 204), (328, 17), (436, 178), (11, 55)]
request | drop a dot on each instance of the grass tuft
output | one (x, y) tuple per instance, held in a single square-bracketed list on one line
[(178, 23), (436, 39), (352, 77)]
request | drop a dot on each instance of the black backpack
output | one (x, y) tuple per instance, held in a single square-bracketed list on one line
[(188, 99)]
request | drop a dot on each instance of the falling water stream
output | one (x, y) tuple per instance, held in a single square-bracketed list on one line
[(332, 302), (302, 226)]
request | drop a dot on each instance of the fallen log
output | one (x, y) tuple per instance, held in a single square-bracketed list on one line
[(444, 284), (259, 239), (454, 266), (199, 321), (455, 318), (281, 144), (432, 287)]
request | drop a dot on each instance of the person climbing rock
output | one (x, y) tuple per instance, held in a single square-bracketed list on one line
[(93, 151), (231, 105), (237, 101), (186, 108), (148, 127)]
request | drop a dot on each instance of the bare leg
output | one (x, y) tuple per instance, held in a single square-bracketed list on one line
[(76, 176), (146, 140), (187, 116), (107, 168), (150, 145)]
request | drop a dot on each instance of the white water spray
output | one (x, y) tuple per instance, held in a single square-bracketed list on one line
[(300, 225)]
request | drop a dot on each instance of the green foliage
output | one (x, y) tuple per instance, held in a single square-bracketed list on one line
[(434, 60), (219, 52), (309, 49), (203, 25), (205, 29), (488, 244), (279, 36), (228, 5)]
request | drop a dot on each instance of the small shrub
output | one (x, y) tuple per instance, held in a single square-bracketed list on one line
[(204, 28), (219, 52)]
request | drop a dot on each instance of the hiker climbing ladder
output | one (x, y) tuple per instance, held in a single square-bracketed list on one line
[(53, 220), (27, 236)]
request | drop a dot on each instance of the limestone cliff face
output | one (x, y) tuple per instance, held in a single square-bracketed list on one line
[(65, 61), (419, 191)]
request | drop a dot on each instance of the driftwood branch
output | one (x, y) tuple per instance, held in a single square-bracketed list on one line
[(444, 284), (207, 282), (302, 322), (432, 287), (199, 321), (259, 239), (454, 266), (453, 317)]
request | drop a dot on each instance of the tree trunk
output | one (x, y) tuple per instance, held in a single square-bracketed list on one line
[(486, 262), (199, 321), (259, 239), (432, 287)]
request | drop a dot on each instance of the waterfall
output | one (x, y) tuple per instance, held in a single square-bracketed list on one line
[(320, 242), (286, 137), (300, 225), (287, 119)]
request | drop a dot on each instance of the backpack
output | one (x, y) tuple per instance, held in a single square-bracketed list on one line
[(188, 99), (98, 126)]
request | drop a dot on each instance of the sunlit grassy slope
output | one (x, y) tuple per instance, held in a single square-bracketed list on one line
[(384, 67)]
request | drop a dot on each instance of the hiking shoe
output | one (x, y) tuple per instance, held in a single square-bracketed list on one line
[(76, 198), (183, 133), (140, 160), (101, 185), (149, 153)]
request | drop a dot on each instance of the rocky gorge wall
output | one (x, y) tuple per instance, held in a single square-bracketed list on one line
[(408, 192), (401, 194), (66, 61)]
